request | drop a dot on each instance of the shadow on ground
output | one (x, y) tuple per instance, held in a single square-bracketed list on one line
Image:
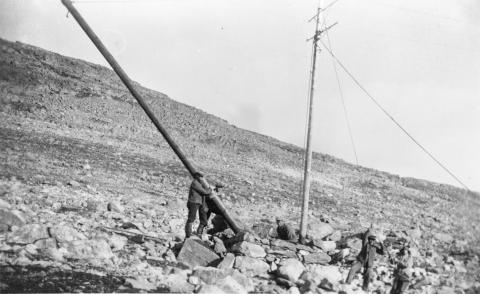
[(29, 279)]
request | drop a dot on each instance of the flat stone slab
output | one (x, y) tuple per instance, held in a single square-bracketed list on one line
[(28, 234), (279, 243), (317, 258), (194, 253)]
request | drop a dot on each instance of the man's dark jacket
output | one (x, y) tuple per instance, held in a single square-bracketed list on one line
[(368, 252), (198, 192)]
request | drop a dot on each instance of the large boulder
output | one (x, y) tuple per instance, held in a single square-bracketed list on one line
[(195, 253), (177, 282), (208, 289), (319, 230), (316, 273), (9, 218), (64, 233), (243, 280), (326, 246), (4, 204), (210, 275), (28, 234), (231, 286), (250, 264), (317, 258), (249, 249), (291, 269), (230, 281)]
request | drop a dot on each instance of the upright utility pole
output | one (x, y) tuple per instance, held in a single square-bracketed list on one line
[(308, 151)]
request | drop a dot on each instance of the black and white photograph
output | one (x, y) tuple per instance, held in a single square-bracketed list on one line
[(240, 146)]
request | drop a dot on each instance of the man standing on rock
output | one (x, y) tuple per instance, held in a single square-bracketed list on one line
[(196, 202), (366, 258), (403, 271)]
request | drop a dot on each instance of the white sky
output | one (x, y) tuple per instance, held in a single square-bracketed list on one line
[(247, 61)]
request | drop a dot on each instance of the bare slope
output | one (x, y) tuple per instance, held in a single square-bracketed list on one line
[(69, 127)]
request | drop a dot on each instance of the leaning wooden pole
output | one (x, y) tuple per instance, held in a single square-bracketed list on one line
[(128, 83), (308, 150)]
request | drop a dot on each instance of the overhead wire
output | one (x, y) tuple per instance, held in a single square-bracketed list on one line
[(342, 98), (392, 118)]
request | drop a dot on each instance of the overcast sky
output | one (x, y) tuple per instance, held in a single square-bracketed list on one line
[(247, 61)]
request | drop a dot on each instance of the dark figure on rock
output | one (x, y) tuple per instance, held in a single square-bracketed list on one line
[(197, 202), (403, 270), (366, 258), (285, 231)]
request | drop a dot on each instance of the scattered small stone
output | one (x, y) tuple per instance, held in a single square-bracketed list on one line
[(443, 237), (115, 206), (335, 236), (74, 183), (117, 242)]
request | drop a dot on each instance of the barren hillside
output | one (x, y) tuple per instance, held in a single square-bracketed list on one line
[(72, 140)]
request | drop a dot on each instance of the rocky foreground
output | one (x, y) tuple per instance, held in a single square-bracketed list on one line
[(92, 200), (78, 243)]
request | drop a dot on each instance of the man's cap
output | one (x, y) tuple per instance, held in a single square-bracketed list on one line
[(372, 237), (219, 185)]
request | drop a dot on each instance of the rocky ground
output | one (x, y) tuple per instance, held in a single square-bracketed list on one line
[(92, 199)]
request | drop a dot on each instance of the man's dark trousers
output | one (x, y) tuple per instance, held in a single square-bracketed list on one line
[(192, 214)]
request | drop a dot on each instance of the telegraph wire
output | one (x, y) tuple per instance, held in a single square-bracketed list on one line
[(342, 98), (392, 118)]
